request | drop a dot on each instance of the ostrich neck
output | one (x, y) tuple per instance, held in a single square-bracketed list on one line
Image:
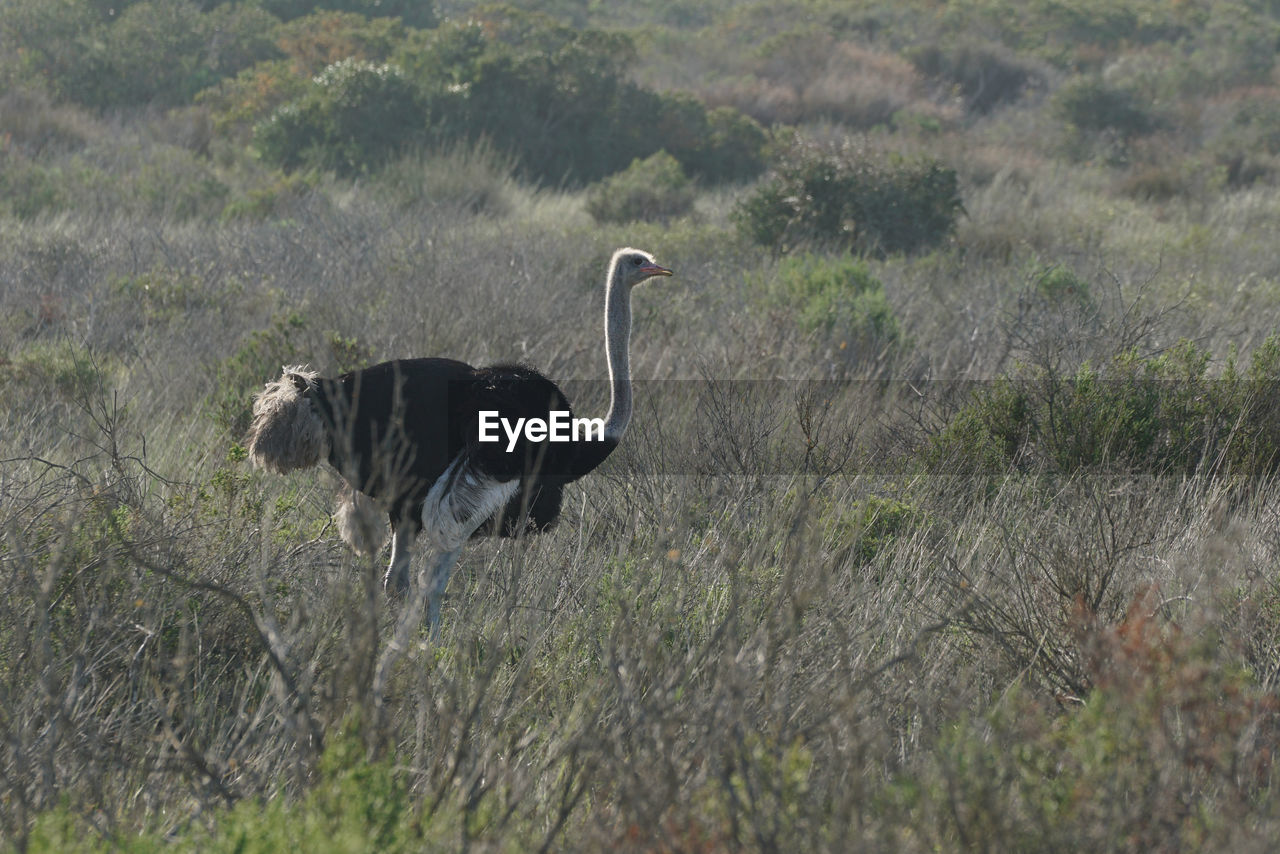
[(617, 346)]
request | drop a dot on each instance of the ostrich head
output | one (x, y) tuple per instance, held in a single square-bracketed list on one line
[(631, 267)]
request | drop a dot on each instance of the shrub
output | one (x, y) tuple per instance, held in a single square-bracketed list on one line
[(986, 75), (560, 101), (653, 188), (808, 73), (555, 99), (34, 126), (717, 146), (174, 182), (475, 179), (236, 36), (153, 51), (852, 198), (270, 197), (835, 297), (1166, 751), (53, 371), (151, 54), (355, 805), (1155, 413), (1248, 144), (318, 40), (1156, 183), (46, 39), (126, 179), (355, 116), (736, 150), (1234, 47), (567, 113), (870, 525), (1089, 104), (1061, 287), (250, 96), (27, 188), (414, 13)]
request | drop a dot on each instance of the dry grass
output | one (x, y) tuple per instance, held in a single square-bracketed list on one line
[(811, 77), (774, 621), (693, 659)]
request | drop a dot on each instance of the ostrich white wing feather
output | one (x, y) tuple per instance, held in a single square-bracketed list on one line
[(460, 501)]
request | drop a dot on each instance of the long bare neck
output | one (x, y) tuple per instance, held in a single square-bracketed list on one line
[(617, 347)]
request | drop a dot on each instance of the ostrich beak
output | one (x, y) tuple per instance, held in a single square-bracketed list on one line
[(655, 270)]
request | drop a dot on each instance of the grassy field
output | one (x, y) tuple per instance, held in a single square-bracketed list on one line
[(970, 544)]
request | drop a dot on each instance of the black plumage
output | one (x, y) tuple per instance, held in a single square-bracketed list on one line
[(394, 429)]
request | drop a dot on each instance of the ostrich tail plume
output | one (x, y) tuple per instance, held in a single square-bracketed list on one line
[(287, 431)]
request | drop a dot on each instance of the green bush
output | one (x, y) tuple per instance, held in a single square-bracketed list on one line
[(1233, 49), (557, 112), (356, 805), (175, 182), (719, 146), (31, 124), (1158, 182), (651, 189), (52, 371), (316, 41), (148, 52), (557, 100), (475, 179), (1248, 146), (987, 76), (1089, 104), (159, 180), (1062, 287), (870, 525), (27, 188), (153, 53), (837, 297), (1163, 413), (269, 198), (47, 40), (737, 148), (851, 198), (355, 117), (158, 295), (1163, 753), (414, 13)]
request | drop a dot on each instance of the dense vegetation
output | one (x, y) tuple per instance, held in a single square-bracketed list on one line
[(948, 518)]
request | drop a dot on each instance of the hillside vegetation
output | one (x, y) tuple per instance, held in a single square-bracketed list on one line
[(948, 519)]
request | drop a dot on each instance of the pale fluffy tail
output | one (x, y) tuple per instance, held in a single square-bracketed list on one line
[(287, 431)]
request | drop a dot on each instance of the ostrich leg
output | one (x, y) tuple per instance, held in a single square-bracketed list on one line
[(397, 579), (427, 591), (435, 586)]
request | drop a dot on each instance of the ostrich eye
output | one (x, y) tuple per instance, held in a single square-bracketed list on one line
[(637, 261)]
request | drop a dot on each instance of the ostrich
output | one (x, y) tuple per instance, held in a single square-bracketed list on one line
[(407, 436)]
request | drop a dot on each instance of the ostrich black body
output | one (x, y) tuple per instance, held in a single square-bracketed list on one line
[(396, 427)]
